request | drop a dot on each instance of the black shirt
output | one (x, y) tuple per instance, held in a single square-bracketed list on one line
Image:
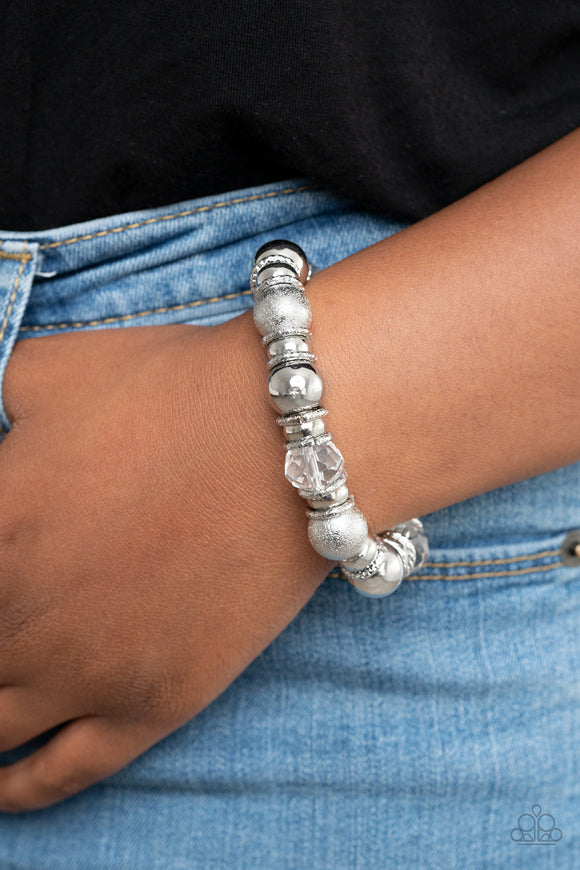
[(403, 106)]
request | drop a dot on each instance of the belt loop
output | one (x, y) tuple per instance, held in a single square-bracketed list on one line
[(18, 261)]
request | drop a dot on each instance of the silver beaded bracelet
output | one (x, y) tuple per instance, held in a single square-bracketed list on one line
[(374, 564)]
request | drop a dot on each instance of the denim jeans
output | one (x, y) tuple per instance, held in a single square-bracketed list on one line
[(421, 730)]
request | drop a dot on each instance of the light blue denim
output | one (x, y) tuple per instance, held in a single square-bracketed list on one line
[(416, 731)]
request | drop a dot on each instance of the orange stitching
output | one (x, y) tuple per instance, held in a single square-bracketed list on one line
[(337, 576), (535, 570), (21, 257), (123, 317), (524, 558), (168, 217)]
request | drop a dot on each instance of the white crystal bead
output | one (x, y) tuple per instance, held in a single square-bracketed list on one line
[(313, 466)]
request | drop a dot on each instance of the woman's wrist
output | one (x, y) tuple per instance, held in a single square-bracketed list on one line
[(450, 352)]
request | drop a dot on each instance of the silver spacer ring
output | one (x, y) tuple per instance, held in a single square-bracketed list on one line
[(402, 546), (334, 511), (272, 260), (296, 418), (300, 331), (291, 357), (370, 569), (320, 493), (313, 440), (288, 280)]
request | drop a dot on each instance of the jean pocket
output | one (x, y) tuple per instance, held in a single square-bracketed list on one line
[(18, 262)]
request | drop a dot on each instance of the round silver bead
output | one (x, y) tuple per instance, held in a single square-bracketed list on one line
[(290, 251), (294, 387), (289, 351), (381, 577), (292, 343), (339, 533), (387, 576), (282, 308), (308, 427), (330, 499)]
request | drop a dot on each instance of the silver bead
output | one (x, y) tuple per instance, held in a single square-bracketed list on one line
[(289, 251), (338, 533), (330, 499), (289, 351), (291, 359), (367, 555), (293, 343), (413, 531), (279, 270), (268, 284), (282, 308), (294, 387), (296, 418), (387, 576), (279, 334), (304, 429)]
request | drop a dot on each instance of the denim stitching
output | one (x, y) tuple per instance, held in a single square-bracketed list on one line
[(336, 574), (24, 257), (168, 217), (524, 558), (481, 574), (124, 317), (21, 257)]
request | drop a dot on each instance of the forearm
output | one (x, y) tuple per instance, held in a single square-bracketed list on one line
[(450, 352)]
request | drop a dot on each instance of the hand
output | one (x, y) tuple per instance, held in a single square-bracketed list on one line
[(150, 546)]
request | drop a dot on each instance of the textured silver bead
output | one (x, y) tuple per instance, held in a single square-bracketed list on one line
[(338, 533), (294, 387), (329, 499), (281, 250), (366, 557), (284, 307), (285, 280)]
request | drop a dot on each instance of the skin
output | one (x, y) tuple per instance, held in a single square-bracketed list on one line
[(133, 526)]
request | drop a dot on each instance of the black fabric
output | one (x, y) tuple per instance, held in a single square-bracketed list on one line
[(403, 106)]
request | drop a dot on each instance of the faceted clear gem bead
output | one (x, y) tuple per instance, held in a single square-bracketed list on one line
[(313, 466)]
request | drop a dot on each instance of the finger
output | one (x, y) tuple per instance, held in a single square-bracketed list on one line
[(80, 754), (24, 715)]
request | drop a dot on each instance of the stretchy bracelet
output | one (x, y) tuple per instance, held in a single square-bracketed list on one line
[(374, 564)]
